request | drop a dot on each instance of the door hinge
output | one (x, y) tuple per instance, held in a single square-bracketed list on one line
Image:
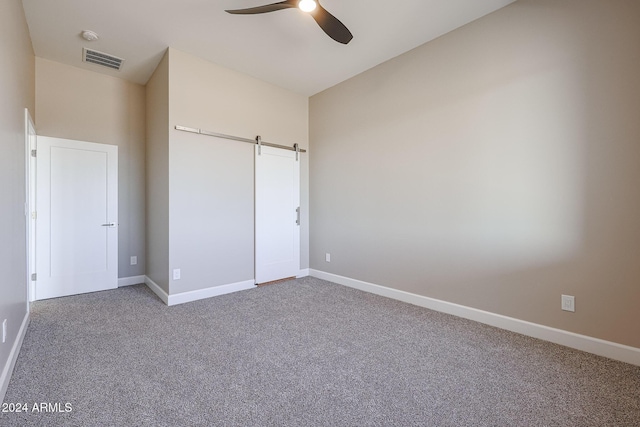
[(34, 215), (298, 215), (34, 276), (33, 153)]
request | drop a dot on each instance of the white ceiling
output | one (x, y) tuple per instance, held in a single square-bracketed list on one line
[(285, 48)]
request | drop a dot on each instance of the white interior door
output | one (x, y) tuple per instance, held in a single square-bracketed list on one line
[(30, 186), (77, 210), (277, 198)]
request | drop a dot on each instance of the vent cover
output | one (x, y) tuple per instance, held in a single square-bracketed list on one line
[(101, 58)]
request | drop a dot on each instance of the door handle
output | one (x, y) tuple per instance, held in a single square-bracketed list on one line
[(111, 224), (298, 215)]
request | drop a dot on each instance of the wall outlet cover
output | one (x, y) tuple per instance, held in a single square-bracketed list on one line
[(134, 260), (327, 257), (568, 303), (176, 274)]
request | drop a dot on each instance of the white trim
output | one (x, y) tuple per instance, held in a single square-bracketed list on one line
[(128, 281), (184, 297), (210, 292), (156, 289), (303, 273), (13, 356), (586, 343)]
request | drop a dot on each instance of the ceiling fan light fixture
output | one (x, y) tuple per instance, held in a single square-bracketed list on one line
[(307, 5), (329, 23)]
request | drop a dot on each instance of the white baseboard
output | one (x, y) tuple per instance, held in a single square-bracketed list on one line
[(156, 289), (213, 291), (586, 343), (13, 356), (184, 297), (128, 281), (303, 273)]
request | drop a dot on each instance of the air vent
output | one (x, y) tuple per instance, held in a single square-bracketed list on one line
[(100, 58)]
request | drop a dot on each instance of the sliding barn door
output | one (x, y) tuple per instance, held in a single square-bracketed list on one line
[(77, 217), (277, 198)]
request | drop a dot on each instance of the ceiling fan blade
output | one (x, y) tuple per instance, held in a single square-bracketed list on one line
[(331, 25), (266, 8)]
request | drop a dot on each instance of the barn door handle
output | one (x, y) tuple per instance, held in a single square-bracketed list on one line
[(298, 215)]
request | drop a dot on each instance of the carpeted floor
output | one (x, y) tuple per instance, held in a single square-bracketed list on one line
[(300, 353)]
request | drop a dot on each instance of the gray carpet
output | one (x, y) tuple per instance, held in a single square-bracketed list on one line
[(301, 353)]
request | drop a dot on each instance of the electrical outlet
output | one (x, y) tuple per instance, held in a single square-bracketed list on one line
[(134, 260), (176, 274), (568, 303), (327, 257), (4, 330)]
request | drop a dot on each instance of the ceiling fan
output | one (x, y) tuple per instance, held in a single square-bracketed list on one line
[(329, 23)]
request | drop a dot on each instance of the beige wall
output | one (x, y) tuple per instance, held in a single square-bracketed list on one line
[(17, 89), (73, 103), (494, 167), (157, 175), (211, 180)]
